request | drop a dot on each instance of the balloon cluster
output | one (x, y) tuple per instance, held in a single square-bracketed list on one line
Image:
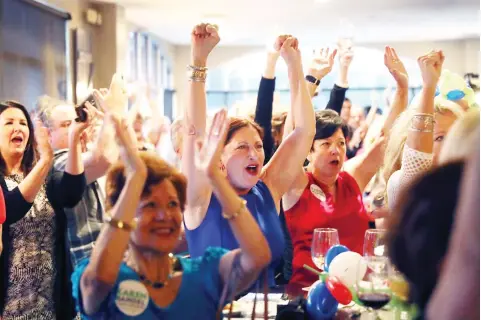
[(324, 297)]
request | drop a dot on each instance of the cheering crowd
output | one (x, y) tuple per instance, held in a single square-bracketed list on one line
[(98, 212)]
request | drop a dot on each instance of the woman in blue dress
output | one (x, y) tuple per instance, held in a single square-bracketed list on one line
[(242, 157), (145, 198)]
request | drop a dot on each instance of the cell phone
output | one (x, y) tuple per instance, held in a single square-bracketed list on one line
[(80, 109)]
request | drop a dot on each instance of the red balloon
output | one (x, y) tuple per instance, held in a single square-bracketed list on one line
[(339, 290)]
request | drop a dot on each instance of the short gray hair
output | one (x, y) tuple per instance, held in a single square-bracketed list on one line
[(44, 107)]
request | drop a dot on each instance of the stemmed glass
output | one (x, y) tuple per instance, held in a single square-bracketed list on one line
[(374, 247), (322, 240), (372, 284)]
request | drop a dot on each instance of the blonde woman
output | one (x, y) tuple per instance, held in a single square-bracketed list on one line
[(417, 137)]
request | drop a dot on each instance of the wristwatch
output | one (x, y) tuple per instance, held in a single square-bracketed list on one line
[(313, 80)]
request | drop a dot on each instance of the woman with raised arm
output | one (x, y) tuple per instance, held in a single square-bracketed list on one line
[(417, 137), (242, 158), (33, 282), (329, 193), (146, 198)]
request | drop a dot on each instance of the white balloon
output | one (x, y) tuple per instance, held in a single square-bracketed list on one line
[(345, 267)]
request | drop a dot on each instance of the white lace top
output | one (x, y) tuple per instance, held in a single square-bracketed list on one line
[(413, 163)]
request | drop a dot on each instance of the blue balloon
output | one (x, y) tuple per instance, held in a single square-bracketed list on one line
[(455, 95), (320, 303), (332, 253)]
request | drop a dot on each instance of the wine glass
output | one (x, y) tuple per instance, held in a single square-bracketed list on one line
[(372, 285), (322, 240), (374, 247)]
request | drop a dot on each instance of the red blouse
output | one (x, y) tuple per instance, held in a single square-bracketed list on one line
[(316, 209)]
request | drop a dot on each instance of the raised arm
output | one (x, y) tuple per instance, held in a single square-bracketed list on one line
[(104, 151), (265, 100), (101, 273), (420, 133), (204, 39), (254, 249), (400, 100), (365, 166), (32, 183), (65, 188), (321, 65), (288, 160)]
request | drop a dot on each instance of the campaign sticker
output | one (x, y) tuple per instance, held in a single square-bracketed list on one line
[(317, 192), (132, 298)]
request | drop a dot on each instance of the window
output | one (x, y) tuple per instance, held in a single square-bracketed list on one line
[(150, 67), (32, 52), (237, 81)]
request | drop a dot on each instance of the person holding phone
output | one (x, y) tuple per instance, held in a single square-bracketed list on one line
[(85, 220)]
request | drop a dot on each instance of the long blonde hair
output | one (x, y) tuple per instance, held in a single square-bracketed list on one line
[(399, 132)]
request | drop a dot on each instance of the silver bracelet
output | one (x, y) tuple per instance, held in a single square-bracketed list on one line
[(422, 122)]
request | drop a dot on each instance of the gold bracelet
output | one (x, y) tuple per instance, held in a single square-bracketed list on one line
[(196, 68), (197, 74), (235, 214), (121, 224)]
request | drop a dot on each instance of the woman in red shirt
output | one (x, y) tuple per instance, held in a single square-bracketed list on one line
[(325, 197), (329, 193)]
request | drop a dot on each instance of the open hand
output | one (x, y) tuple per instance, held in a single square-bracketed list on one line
[(322, 63), (127, 142), (209, 154), (115, 100), (42, 138), (396, 67), (204, 38)]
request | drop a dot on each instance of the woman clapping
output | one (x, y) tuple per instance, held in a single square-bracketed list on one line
[(146, 198)]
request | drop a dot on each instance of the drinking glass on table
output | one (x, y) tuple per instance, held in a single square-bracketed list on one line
[(322, 240), (372, 284), (374, 247)]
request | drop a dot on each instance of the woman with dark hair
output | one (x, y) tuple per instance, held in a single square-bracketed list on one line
[(420, 229), (242, 158), (33, 281), (329, 193)]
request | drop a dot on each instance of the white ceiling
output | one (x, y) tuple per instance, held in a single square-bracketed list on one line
[(255, 22)]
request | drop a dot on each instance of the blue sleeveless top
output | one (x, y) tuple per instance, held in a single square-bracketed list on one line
[(214, 231), (198, 296)]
